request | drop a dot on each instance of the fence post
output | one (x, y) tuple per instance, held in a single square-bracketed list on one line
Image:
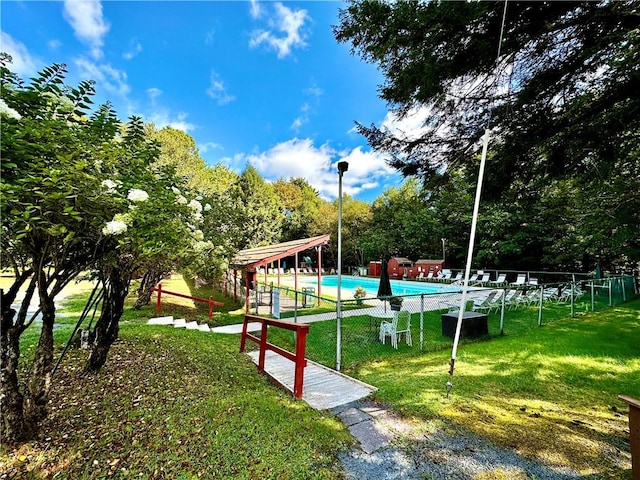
[(573, 294), (623, 284), (210, 308), (504, 295), (610, 293), (159, 300), (421, 317), (593, 299), (540, 306)]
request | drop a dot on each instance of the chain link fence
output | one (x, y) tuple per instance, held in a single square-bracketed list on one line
[(366, 326)]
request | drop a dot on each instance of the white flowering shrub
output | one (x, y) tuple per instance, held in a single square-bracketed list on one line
[(114, 227), (8, 111), (110, 185), (137, 195)]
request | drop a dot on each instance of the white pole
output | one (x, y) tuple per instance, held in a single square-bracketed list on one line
[(472, 238), (474, 221), (342, 167)]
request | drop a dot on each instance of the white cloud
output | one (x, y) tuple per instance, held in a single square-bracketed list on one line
[(256, 11), (302, 118), (107, 77), (301, 158), (85, 17), (205, 147), (23, 63), (134, 49), (210, 37), (410, 127), (298, 122), (54, 44), (288, 33), (153, 93), (218, 91), (162, 118), (314, 91)]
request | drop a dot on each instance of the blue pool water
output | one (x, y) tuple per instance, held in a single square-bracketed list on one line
[(399, 287)]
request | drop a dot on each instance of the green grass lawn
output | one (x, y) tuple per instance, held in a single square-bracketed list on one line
[(550, 393), (172, 403)]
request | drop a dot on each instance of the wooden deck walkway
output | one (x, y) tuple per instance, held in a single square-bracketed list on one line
[(323, 388)]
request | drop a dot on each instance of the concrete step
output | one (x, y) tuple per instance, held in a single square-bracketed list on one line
[(204, 328), (191, 326), (180, 323), (161, 320)]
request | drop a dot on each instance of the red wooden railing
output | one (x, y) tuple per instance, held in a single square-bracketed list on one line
[(301, 330), (161, 292)]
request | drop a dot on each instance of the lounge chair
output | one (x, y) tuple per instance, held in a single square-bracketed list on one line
[(474, 276), (429, 276), (521, 280), (458, 277), (501, 280), (484, 278), (486, 303), (446, 275), (420, 277)]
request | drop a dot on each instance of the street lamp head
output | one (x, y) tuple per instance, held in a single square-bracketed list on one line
[(343, 166)]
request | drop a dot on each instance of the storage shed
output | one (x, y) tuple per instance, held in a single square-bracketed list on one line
[(427, 266), (375, 269), (398, 267)]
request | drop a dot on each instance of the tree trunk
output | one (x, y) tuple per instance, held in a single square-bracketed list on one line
[(107, 326), (12, 401), (12, 427), (37, 386), (150, 280)]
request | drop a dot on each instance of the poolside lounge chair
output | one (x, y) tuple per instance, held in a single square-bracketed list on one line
[(446, 276), (420, 277), (484, 278), (501, 280), (458, 277), (487, 303), (521, 280), (474, 276)]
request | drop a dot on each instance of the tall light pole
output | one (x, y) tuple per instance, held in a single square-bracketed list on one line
[(343, 166)]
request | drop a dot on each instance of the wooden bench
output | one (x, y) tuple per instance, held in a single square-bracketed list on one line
[(634, 434)]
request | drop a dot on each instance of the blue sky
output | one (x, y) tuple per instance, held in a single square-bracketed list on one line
[(260, 83)]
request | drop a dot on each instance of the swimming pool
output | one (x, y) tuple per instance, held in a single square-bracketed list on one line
[(399, 287)]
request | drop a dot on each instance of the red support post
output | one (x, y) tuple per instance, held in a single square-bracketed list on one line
[(263, 346), (243, 337), (159, 301), (210, 308), (298, 379)]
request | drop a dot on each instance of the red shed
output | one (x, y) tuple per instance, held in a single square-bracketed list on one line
[(399, 267), (375, 269), (427, 266)]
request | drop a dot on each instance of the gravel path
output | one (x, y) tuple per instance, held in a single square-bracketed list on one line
[(392, 448)]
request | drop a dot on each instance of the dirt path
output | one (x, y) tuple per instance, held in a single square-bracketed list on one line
[(391, 447)]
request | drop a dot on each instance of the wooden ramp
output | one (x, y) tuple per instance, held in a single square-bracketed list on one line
[(322, 388)]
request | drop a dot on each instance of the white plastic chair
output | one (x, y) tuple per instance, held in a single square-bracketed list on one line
[(400, 324)]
